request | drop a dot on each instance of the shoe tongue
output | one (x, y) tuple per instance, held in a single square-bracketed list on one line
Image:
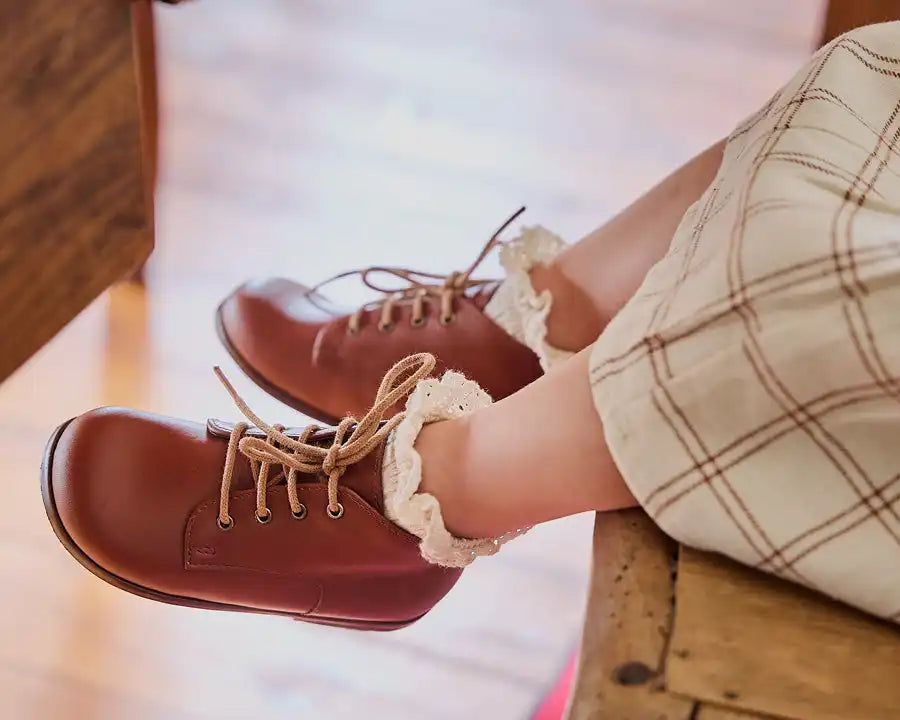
[(364, 477), (221, 428), (481, 296)]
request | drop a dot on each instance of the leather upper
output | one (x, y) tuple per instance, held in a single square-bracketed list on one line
[(138, 494), (298, 343)]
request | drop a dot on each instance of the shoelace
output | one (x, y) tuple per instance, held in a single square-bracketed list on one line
[(419, 287), (353, 440)]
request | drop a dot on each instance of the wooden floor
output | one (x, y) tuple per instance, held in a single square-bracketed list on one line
[(300, 139)]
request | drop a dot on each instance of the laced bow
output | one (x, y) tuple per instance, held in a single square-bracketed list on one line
[(353, 440), (419, 286)]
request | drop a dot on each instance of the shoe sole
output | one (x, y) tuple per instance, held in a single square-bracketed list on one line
[(122, 584)]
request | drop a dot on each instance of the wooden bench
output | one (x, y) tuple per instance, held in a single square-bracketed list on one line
[(675, 634)]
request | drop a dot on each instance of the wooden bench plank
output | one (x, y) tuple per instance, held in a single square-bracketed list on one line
[(627, 624), (748, 640), (72, 210)]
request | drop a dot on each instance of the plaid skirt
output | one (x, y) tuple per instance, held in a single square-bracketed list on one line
[(750, 391)]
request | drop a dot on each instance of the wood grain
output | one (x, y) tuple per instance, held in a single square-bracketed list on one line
[(72, 213), (620, 673), (748, 640), (714, 712), (144, 38)]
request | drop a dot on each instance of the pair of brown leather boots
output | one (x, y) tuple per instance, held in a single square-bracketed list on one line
[(261, 518)]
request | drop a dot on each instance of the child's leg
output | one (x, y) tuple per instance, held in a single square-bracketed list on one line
[(537, 455), (591, 280), (540, 454)]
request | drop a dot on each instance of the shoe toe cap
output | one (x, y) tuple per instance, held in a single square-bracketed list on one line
[(271, 328), (259, 307), (119, 486)]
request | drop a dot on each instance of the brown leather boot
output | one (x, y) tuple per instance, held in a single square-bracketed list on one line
[(327, 360), (246, 517)]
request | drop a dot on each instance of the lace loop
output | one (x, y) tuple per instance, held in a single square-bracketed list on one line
[(353, 440), (418, 286)]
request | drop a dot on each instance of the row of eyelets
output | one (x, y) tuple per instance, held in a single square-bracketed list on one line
[(352, 440), (335, 514), (422, 286), (444, 320)]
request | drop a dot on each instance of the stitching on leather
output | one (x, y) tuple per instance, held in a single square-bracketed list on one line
[(188, 557)]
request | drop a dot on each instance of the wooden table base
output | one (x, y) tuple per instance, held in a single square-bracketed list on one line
[(73, 217)]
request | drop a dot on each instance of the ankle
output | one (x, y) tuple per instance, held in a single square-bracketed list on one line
[(443, 448), (454, 471), (573, 322), (447, 454)]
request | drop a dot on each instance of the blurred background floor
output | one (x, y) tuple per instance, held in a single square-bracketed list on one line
[(303, 138)]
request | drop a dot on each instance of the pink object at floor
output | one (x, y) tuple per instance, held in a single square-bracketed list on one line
[(553, 705)]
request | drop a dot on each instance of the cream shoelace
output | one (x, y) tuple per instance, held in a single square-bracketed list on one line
[(353, 440), (420, 286)]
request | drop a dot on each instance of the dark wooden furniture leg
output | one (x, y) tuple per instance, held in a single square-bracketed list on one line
[(144, 33), (73, 217)]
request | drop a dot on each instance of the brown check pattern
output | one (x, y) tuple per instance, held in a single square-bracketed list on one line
[(750, 391)]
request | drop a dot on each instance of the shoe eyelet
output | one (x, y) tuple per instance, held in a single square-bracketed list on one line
[(352, 330), (264, 519), (300, 514), (417, 322), (386, 327), (335, 514), (226, 525), (447, 319)]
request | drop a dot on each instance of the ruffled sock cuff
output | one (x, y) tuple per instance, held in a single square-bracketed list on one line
[(516, 306), (418, 513)]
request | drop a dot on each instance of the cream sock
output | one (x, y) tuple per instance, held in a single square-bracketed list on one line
[(420, 513), (515, 306)]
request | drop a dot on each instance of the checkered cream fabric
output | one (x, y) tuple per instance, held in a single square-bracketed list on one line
[(750, 391)]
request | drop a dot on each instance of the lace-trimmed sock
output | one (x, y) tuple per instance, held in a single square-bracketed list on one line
[(420, 513), (515, 306)]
